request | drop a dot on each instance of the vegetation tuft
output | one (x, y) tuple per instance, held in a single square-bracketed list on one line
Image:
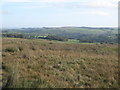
[(49, 64)]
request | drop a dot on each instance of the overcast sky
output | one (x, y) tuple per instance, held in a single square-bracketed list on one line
[(41, 13)]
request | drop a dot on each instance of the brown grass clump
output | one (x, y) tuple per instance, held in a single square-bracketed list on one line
[(49, 64)]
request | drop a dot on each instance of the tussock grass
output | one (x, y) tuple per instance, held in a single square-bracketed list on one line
[(49, 64)]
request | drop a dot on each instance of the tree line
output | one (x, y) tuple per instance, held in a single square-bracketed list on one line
[(82, 38)]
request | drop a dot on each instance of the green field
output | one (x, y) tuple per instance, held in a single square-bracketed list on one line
[(74, 41)]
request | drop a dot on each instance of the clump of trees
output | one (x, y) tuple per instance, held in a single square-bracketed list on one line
[(28, 36), (103, 38), (99, 38), (18, 36), (53, 37)]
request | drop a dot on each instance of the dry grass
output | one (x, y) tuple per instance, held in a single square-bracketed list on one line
[(45, 64)]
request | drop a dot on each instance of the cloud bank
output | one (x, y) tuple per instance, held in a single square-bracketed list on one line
[(76, 3)]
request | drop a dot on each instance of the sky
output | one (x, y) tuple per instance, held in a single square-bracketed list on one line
[(59, 13)]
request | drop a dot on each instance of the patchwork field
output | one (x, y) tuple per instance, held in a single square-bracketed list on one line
[(36, 63)]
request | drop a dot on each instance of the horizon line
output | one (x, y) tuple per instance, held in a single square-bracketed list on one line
[(60, 27)]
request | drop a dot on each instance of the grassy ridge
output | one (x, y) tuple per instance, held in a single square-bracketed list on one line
[(42, 63), (82, 30), (83, 34)]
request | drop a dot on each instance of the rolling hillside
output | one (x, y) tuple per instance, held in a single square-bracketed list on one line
[(48, 64), (84, 34)]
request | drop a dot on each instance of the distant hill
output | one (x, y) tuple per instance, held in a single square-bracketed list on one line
[(107, 34), (58, 30)]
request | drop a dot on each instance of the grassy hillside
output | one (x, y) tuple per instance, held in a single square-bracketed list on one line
[(84, 34), (59, 30), (48, 64)]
